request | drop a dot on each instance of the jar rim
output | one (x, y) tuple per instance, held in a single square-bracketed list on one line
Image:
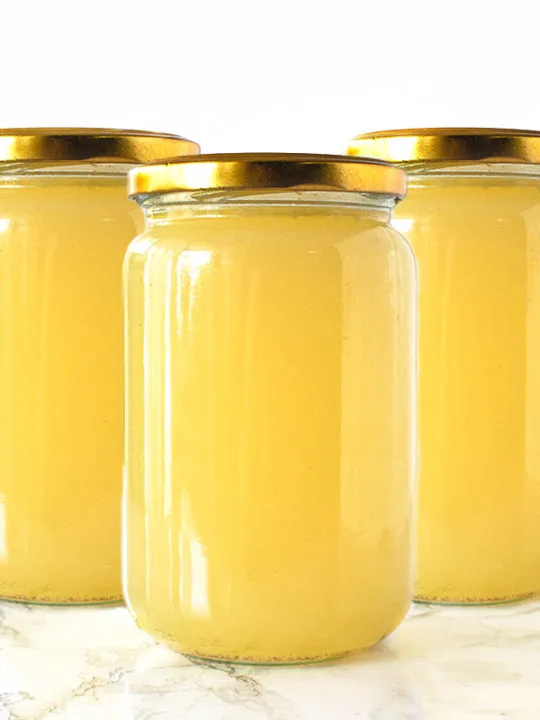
[(270, 171), (449, 145), (71, 145)]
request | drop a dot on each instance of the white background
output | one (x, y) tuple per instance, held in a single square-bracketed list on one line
[(282, 75)]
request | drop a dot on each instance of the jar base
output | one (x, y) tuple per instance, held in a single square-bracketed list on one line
[(60, 602), (271, 662), (204, 658), (521, 597)]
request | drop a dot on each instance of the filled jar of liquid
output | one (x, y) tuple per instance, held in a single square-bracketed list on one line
[(472, 215), (270, 407), (65, 223)]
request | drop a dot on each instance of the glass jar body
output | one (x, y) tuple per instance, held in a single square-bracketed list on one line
[(63, 235), (270, 426), (476, 234)]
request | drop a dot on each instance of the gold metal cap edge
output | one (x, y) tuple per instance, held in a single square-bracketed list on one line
[(62, 145), (293, 171), (447, 145)]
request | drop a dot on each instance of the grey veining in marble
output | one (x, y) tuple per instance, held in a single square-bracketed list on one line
[(441, 664)]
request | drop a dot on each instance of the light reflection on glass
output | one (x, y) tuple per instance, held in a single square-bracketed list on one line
[(189, 266), (402, 225), (194, 575), (193, 261), (3, 530)]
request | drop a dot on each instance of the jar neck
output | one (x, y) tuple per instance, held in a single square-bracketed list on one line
[(66, 169), (417, 172), (167, 206)]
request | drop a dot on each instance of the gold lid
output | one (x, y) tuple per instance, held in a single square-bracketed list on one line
[(63, 145), (449, 145), (241, 171)]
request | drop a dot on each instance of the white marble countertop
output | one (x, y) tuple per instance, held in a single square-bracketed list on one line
[(441, 664)]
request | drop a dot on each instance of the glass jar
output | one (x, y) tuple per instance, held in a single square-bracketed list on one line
[(65, 223), (472, 216), (270, 330)]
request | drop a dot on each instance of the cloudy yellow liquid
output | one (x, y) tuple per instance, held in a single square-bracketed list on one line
[(62, 242), (477, 241), (269, 431)]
